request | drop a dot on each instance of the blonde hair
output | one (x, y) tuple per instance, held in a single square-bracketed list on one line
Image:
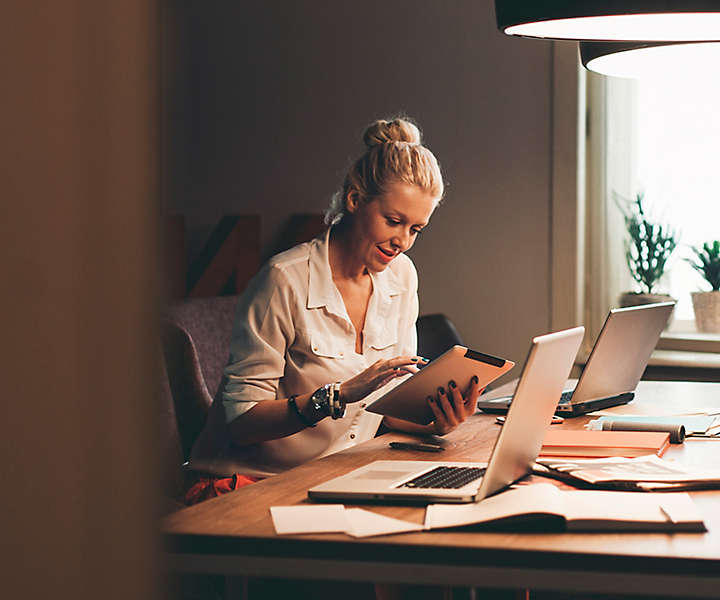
[(394, 154)]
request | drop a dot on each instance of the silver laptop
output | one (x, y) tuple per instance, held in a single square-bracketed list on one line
[(546, 370), (615, 365)]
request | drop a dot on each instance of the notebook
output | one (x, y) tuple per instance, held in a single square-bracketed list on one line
[(615, 364), (548, 364), (602, 444), (543, 506)]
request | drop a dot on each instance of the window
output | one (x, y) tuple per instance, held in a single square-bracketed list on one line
[(659, 138), (676, 163)]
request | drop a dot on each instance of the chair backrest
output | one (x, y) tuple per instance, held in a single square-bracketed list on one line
[(436, 334), (196, 341), (167, 442), (208, 322)]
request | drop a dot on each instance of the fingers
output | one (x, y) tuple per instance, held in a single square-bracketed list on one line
[(447, 404), (458, 402), (405, 361), (386, 370), (397, 367), (408, 364), (471, 395), (404, 370), (380, 373), (440, 422), (452, 407)]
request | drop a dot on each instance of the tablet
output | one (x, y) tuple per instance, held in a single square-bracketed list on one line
[(408, 400)]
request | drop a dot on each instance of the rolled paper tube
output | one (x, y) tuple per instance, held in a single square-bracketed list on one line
[(676, 430)]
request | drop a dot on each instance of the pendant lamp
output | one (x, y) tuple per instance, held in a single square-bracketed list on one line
[(611, 20), (651, 60)]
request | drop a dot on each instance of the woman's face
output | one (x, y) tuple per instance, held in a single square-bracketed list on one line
[(389, 224)]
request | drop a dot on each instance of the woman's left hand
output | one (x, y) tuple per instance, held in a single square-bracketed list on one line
[(451, 406)]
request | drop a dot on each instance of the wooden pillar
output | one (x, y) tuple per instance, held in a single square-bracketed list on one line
[(79, 158)]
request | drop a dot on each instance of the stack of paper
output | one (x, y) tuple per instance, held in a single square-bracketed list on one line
[(646, 473)]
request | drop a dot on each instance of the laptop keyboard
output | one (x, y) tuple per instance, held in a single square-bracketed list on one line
[(565, 397), (446, 477), (507, 400)]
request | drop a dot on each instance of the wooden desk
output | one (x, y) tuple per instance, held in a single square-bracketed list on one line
[(234, 535)]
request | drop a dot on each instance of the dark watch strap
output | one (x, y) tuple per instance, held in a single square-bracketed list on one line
[(303, 419)]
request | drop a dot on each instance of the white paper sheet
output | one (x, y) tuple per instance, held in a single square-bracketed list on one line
[(312, 518), (365, 523), (335, 518)]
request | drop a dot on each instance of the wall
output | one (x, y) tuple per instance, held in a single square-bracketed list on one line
[(267, 102)]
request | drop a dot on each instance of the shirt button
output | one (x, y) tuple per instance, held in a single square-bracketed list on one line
[(315, 348), (342, 354), (363, 405), (352, 436)]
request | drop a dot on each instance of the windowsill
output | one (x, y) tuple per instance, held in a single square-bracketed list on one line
[(691, 342), (673, 358), (684, 358)]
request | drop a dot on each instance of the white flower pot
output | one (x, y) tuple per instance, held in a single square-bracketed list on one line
[(707, 311)]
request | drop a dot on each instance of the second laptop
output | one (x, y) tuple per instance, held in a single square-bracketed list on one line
[(615, 365)]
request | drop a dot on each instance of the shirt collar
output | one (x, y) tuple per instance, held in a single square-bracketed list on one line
[(322, 290)]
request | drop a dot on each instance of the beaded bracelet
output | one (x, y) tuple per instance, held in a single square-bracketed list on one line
[(338, 406), (303, 419)]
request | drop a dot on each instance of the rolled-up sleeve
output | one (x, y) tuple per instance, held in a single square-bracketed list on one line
[(262, 331)]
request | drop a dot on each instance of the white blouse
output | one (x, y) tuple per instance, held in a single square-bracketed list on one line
[(292, 335)]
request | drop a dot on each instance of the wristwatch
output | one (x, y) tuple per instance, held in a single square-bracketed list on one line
[(326, 401), (321, 401)]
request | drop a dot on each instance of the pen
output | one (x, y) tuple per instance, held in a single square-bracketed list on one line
[(416, 446), (556, 420)]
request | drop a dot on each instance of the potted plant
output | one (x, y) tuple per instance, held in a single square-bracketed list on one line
[(707, 304), (646, 251)]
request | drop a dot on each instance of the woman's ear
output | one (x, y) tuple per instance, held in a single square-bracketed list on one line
[(352, 201)]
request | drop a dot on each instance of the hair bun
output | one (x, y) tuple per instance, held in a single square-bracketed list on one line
[(399, 129)]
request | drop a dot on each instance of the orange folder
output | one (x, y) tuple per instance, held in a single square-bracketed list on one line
[(597, 444)]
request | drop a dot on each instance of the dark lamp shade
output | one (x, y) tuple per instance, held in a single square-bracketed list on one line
[(651, 60), (639, 20), (647, 60)]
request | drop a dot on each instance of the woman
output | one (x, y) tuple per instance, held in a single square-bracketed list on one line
[(326, 325)]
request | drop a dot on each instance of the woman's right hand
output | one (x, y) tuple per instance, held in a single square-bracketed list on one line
[(377, 375)]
